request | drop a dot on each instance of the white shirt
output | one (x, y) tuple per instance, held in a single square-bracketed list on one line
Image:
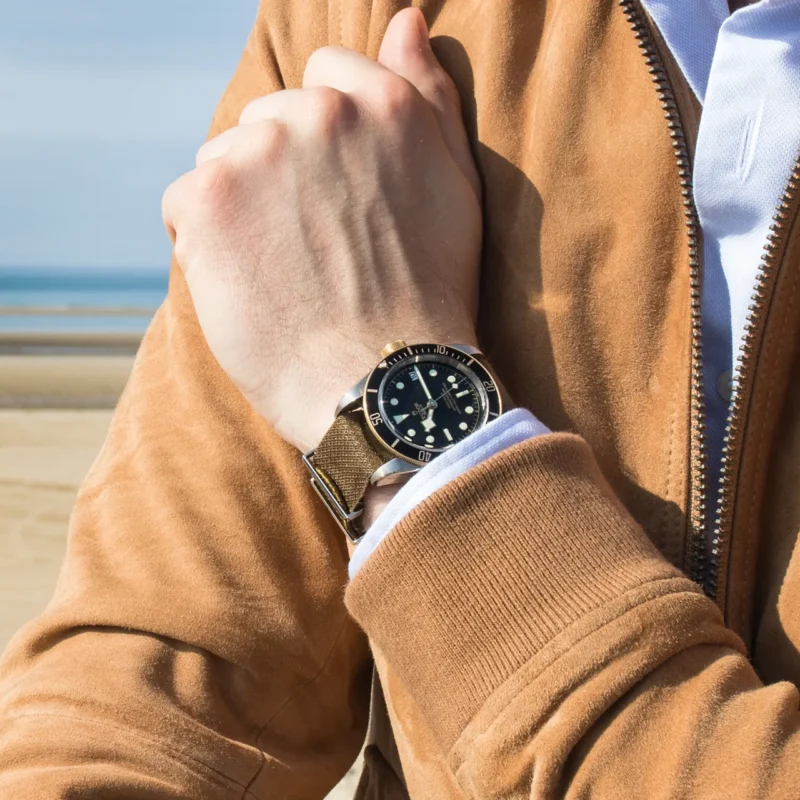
[(744, 69)]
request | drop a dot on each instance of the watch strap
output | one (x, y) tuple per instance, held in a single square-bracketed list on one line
[(349, 454), (346, 459)]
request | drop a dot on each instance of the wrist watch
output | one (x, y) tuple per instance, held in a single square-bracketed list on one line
[(418, 402)]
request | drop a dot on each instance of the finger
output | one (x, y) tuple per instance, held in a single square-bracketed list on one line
[(219, 146), (406, 51), (262, 140), (173, 204), (264, 119), (270, 106), (345, 70)]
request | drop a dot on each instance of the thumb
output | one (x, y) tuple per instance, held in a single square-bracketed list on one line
[(406, 51)]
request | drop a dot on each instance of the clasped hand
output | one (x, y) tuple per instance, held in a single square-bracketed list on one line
[(332, 219)]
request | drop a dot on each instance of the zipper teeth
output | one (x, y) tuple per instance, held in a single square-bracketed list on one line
[(734, 428), (696, 553)]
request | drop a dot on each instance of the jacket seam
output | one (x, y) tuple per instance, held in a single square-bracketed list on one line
[(164, 747), (287, 701), (668, 526), (339, 23)]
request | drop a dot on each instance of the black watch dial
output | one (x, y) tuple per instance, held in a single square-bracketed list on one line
[(432, 404), (426, 398)]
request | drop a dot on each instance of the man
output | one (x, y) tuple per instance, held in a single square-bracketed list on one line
[(525, 595)]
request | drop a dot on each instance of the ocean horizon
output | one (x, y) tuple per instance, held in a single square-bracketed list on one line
[(79, 299)]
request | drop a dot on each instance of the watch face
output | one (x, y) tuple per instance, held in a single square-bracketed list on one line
[(424, 399)]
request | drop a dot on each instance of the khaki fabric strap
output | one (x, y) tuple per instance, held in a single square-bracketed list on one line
[(347, 458)]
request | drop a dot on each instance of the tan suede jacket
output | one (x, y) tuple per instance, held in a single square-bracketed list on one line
[(533, 625)]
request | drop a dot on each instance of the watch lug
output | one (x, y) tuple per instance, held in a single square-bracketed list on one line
[(397, 470), (352, 398)]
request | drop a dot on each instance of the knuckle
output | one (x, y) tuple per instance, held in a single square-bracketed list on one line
[(215, 183), (399, 99), (331, 110), (251, 111), (181, 250), (270, 136), (443, 87), (319, 57), (168, 203), (174, 203), (204, 152)]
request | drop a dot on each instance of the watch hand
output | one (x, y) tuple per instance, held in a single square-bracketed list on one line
[(428, 423), (422, 381), (447, 391)]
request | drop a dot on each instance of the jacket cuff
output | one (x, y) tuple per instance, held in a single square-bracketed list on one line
[(509, 429), (489, 570)]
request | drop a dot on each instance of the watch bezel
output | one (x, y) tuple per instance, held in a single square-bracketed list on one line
[(379, 425)]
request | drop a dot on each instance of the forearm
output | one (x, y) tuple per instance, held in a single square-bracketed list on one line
[(198, 626), (199, 602), (553, 651)]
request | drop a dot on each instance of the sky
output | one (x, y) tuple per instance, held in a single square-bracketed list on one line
[(102, 104)]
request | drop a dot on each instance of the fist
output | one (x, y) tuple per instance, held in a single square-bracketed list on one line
[(331, 220)]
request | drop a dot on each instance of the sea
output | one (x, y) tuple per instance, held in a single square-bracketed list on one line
[(79, 300)]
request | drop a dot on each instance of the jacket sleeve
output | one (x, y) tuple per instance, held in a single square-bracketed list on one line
[(197, 645), (554, 653)]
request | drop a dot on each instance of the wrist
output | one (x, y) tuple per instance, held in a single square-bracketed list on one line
[(347, 363), (420, 401), (376, 499)]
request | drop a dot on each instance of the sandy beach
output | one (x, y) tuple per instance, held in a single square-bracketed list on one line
[(44, 455), (57, 392), (56, 401)]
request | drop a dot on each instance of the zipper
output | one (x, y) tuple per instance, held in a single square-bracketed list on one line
[(702, 569), (695, 558), (743, 379)]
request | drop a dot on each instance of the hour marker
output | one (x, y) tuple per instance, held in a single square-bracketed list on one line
[(452, 378), (394, 401), (411, 432), (433, 373), (399, 418), (400, 385), (461, 394), (469, 410), (447, 434), (430, 439), (429, 445), (463, 426)]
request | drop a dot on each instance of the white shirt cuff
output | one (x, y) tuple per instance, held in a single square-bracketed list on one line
[(507, 430)]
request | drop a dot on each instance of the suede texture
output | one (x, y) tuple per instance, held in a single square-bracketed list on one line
[(532, 628)]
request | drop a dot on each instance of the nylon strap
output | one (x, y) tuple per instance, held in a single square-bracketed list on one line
[(347, 459)]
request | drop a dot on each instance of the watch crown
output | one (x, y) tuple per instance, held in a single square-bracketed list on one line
[(393, 347)]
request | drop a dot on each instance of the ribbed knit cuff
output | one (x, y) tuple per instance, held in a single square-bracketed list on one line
[(507, 430), (482, 575)]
